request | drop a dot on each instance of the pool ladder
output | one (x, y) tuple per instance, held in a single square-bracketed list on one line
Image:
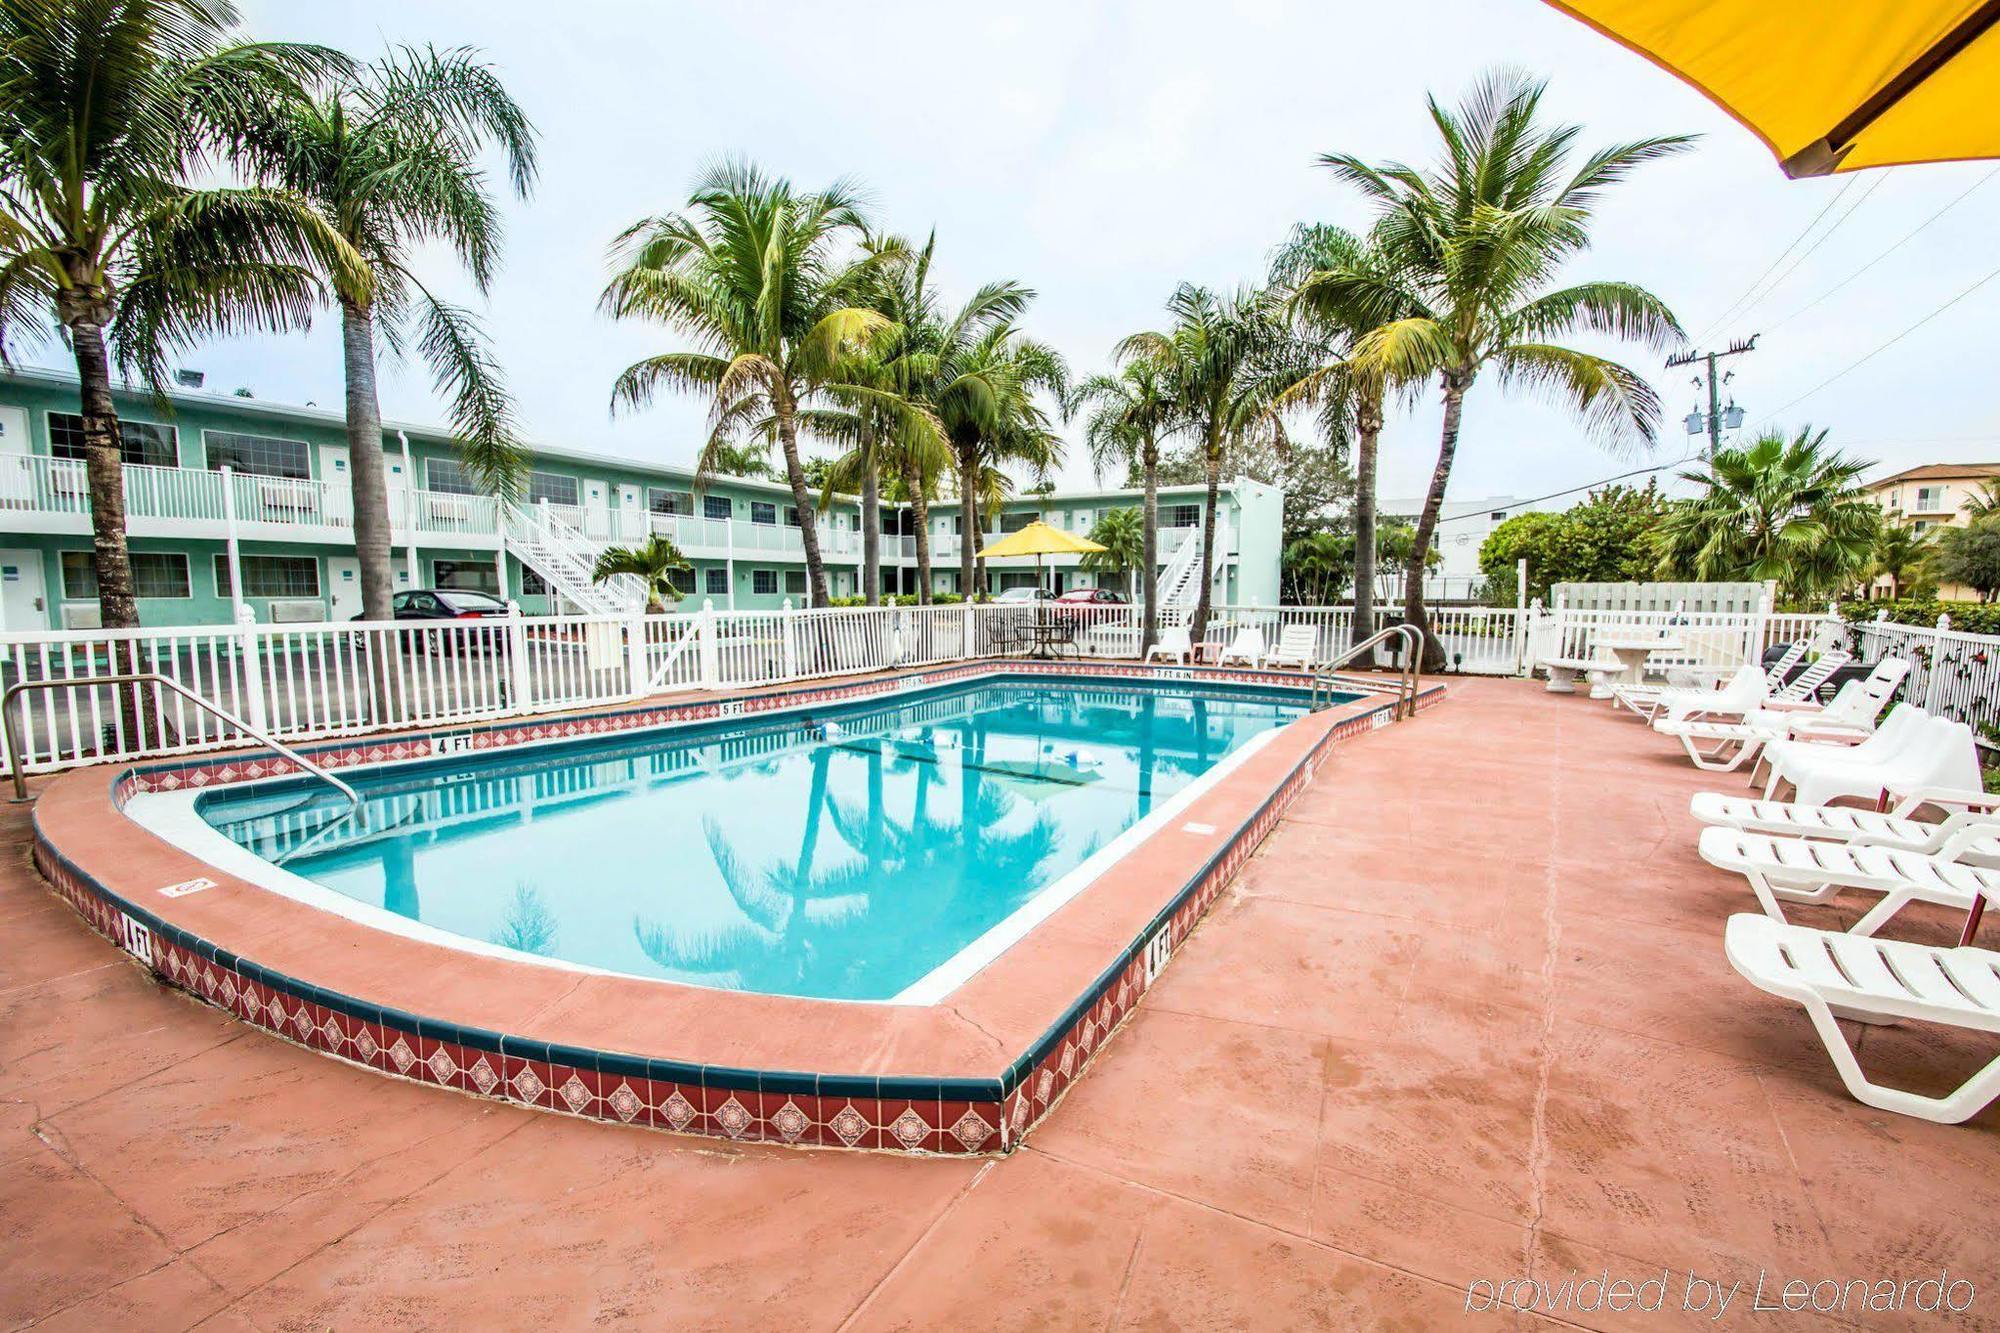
[(1327, 680), (18, 761)]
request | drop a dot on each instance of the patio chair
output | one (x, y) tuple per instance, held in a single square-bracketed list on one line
[(1645, 699), (1836, 975), (1950, 868), (1848, 719), (1745, 691), (1898, 826), (1298, 645), (1173, 642), (1247, 646), (1911, 749)]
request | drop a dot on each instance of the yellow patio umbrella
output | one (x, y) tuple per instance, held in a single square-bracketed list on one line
[(1039, 539), (1829, 85)]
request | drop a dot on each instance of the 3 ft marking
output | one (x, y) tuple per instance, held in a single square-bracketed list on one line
[(135, 939), (1158, 950)]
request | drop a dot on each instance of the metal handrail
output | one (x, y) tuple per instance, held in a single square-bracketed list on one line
[(18, 761), (1409, 675)]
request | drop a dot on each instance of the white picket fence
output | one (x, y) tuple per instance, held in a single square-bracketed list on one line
[(1951, 672)]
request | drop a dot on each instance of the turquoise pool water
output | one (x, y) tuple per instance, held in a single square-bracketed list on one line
[(843, 855)]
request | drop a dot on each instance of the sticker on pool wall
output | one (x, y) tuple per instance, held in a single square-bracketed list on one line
[(185, 887)]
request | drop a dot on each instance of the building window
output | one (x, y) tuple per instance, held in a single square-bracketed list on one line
[(550, 486), (764, 512), (465, 576), (1180, 516), (792, 517), (139, 442), (259, 455), (1497, 515), (715, 506), (682, 580), (271, 576), (764, 582), (448, 476), (1015, 522), (795, 581), (669, 502), (156, 574), (718, 582), (533, 584)]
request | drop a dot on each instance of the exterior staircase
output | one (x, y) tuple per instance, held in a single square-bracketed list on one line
[(1180, 579), (564, 558)]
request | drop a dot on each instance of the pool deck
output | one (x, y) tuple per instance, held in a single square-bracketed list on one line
[(1465, 1016)]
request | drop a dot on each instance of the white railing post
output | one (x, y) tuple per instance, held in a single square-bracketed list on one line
[(969, 642), (635, 654), (1931, 668), (237, 609), (249, 652), (789, 638), (522, 694), (711, 673)]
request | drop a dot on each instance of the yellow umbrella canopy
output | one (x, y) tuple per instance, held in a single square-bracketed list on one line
[(1038, 538), (1829, 85)]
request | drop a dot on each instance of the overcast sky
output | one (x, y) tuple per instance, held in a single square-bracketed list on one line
[(1102, 153)]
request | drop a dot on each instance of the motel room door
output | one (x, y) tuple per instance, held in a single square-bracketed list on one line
[(343, 592), (23, 595)]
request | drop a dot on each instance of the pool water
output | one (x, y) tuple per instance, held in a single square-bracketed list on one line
[(844, 855)]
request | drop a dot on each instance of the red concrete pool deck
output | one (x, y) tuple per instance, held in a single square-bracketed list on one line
[(1465, 1016)]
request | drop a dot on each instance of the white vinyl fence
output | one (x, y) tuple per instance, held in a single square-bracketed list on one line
[(1951, 672)]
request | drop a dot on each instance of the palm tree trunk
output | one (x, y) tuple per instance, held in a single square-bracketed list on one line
[(104, 466), (920, 510), (366, 472), (968, 518), (1149, 545), (1427, 521), (871, 518), (1368, 425), (795, 473), (104, 469), (1201, 607)]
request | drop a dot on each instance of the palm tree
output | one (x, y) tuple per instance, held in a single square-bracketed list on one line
[(756, 275), (1130, 412), (389, 157), (109, 111), (1122, 534), (1475, 244), (1219, 354), (1984, 502), (652, 562), (993, 421), (1318, 565), (1789, 510), (1902, 555), (1340, 287)]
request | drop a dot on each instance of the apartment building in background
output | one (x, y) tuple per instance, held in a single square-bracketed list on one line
[(203, 470), (1927, 498)]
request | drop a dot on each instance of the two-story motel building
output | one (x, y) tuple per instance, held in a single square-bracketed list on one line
[(206, 470)]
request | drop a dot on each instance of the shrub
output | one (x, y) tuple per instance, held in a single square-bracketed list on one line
[(1971, 617)]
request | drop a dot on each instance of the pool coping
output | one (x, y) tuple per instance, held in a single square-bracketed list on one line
[(969, 1075)]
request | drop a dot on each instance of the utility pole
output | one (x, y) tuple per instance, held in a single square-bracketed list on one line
[(1713, 419)]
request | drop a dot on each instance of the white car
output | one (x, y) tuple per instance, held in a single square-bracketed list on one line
[(1016, 596)]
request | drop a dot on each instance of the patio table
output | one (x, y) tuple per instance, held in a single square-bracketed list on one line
[(1632, 652)]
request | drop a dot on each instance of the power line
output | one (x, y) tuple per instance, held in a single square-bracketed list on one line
[(1887, 345), (1571, 490), (1807, 253), (1731, 308), (1908, 237)]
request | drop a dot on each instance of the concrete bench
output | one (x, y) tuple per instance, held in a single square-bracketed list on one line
[(1563, 671)]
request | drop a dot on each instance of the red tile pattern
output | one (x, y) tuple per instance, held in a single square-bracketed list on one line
[(924, 1124)]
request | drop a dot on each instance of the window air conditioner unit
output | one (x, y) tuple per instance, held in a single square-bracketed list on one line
[(69, 480), (82, 615), (284, 495), (448, 508), (297, 610)]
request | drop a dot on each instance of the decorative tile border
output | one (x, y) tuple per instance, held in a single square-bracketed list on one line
[(946, 1116)]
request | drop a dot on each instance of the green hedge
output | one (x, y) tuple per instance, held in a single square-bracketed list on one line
[(900, 599), (1970, 617)]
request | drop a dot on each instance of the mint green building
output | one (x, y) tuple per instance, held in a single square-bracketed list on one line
[(272, 480)]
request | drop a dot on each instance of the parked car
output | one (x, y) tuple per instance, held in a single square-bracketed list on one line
[(446, 604), (1077, 602), (1021, 596)]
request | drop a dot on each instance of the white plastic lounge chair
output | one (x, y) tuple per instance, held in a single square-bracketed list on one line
[(1876, 981), (1849, 718), (1897, 826), (1949, 869), (1298, 645), (1247, 646), (1173, 642), (1925, 752), (1645, 699), (1744, 691), (1802, 687)]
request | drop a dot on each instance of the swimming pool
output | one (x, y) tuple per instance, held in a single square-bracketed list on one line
[(872, 851)]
